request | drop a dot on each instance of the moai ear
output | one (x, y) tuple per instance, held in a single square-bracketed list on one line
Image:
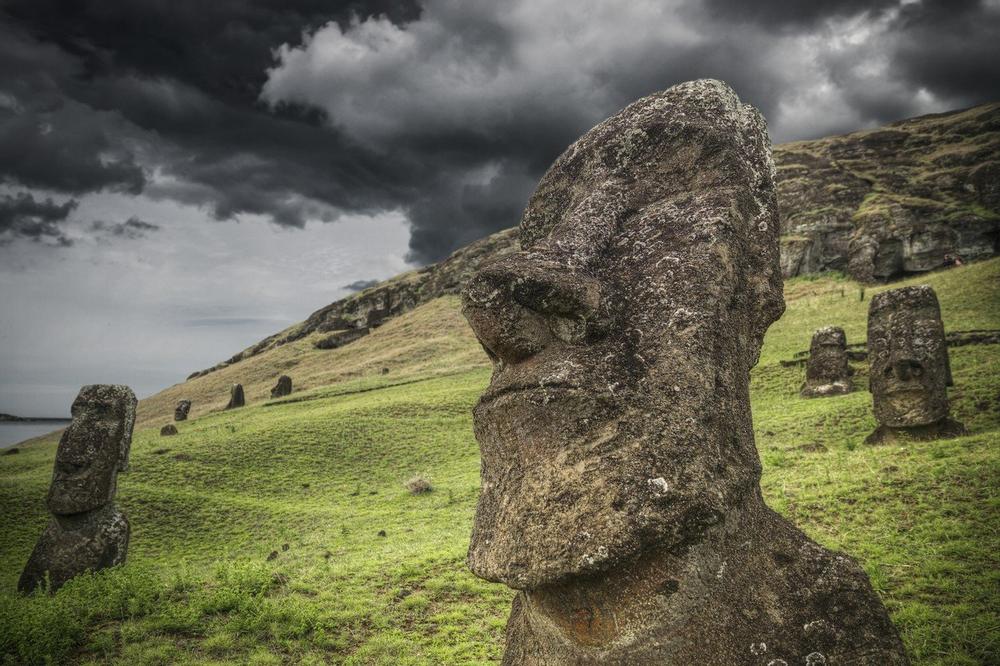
[(128, 424)]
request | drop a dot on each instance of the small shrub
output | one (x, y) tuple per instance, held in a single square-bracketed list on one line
[(418, 485)]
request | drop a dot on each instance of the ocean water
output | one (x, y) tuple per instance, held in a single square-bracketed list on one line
[(14, 433)]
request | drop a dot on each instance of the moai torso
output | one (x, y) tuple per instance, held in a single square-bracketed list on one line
[(908, 366), (86, 531), (827, 371), (620, 481)]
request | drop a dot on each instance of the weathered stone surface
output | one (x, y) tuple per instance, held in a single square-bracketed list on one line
[(341, 338), (236, 397), (909, 367), (283, 387), (86, 530), (620, 482), (182, 410), (168, 430), (827, 371)]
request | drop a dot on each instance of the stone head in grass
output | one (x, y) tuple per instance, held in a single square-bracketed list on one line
[(909, 366), (620, 481), (86, 530), (827, 371)]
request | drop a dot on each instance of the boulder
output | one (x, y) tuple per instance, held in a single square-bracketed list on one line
[(168, 430), (620, 482)]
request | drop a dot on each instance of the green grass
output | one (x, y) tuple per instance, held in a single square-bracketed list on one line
[(315, 478)]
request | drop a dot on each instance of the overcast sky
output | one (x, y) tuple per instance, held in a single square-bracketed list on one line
[(180, 179)]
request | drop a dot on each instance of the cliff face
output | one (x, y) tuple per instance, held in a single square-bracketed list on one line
[(906, 198), (878, 204)]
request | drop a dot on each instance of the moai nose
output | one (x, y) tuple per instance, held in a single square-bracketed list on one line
[(906, 369), (508, 330)]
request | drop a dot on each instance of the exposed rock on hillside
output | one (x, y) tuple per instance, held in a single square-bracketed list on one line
[(877, 204), (910, 197)]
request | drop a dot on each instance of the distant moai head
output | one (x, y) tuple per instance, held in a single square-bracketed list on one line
[(283, 387), (182, 410), (622, 337), (827, 369), (236, 397), (93, 449), (908, 357)]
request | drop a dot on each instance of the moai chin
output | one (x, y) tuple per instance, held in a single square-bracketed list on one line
[(182, 410), (283, 387), (827, 371), (620, 481), (236, 398), (86, 531), (909, 367)]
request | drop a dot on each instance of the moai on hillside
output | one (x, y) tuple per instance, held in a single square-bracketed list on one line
[(283, 387), (827, 371), (168, 430), (86, 531), (182, 410), (620, 481), (236, 398), (909, 368)]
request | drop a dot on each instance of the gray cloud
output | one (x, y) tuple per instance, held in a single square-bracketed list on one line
[(23, 216), (131, 229)]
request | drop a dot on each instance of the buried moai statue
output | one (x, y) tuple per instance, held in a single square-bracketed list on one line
[(236, 398), (620, 481), (182, 410), (86, 531), (827, 371), (283, 387), (909, 367)]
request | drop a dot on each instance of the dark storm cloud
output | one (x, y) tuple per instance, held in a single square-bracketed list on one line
[(24, 216), (130, 229), (448, 111)]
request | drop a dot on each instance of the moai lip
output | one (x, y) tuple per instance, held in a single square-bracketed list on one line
[(620, 481), (827, 371), (86, 531), (909, 367)]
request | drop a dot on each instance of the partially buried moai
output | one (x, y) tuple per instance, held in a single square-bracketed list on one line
[(827, 370), (909, 368), (283, 387), (620, 481), (236, 398), (182, 410), (86, 531)]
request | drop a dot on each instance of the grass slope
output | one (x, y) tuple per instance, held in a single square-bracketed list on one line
[(256, 532)]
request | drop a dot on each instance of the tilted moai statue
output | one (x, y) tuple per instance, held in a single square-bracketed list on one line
[(827, 371), (182, 410), (236, 398), (909, 368), (283, 387), (620, 481), (87, 531)]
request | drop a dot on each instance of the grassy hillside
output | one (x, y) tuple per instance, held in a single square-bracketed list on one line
[(256, 532)]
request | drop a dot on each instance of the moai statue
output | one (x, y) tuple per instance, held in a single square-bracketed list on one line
[(182, 410), (283, 387), (168, 430), (86, 531), (827, 372), (909, 368), (620, 481), (236, 398)]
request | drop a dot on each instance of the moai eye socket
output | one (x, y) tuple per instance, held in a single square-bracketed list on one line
[(888, 371)]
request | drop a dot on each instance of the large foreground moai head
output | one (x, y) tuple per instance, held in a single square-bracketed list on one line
[(622, 337), (908, 358), (827, 371), (86, 531), (93, 449), (620, 482)]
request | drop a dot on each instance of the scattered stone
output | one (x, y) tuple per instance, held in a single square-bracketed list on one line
[(12, 451), (381, 533), (620, 482), (385, 371), (909, 367), (279, 579), (86, 531), (827, 372), (285, 547), (418, 485), (236, 398), (183, 457), (182, 410), (283, 387), (272, 556), (160, 452), (168, 430)]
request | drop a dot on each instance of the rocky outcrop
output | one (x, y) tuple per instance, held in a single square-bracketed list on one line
[(620, 480), (913, 196)]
